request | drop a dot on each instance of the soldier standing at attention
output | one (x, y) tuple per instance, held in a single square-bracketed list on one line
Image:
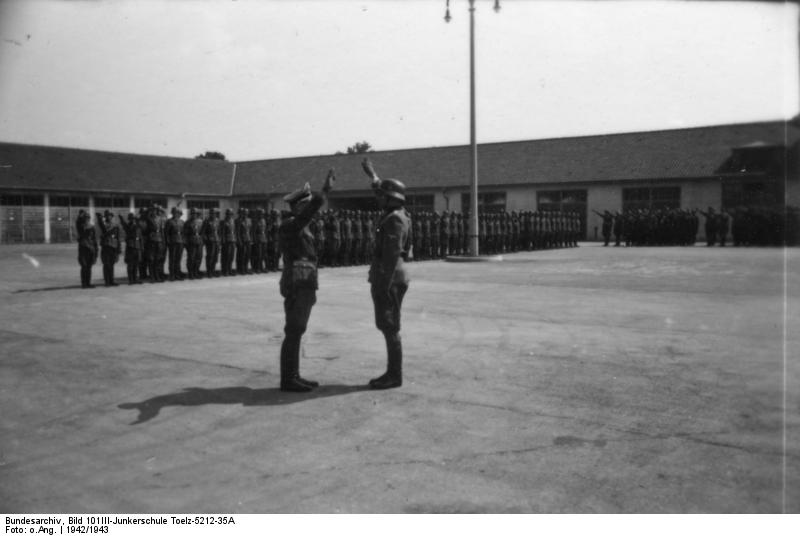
[(134, 247), (193, 238), (227, 239), (711, 226), (272, 241), (210, 232), (244, 242), (87, 247), (155, 244), (259, 241), (142, 223), (298, 281), (387, 275), (174, 233), (332, 239), (109, 245)]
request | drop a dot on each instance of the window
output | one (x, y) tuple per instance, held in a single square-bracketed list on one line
[(252, 204), (651, 198), (419, 203), (564, 201), (202, 204), (487, 202), (11, 200), (115, 201), (147, 202), (751, 194)]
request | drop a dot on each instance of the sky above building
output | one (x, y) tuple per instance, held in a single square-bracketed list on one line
[(272, 79)]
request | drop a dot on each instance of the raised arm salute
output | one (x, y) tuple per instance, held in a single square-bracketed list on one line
[(387, 275), (299, 281)]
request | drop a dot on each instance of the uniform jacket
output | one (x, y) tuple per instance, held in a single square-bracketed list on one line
[(392, 243), (296, 241)]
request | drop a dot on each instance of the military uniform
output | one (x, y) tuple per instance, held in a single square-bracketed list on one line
[(156, 246), (193, 238), (387, 275), (109, 246), (87, 247), (173, 230), (298, 283), (258, 261), (134, 248), (227, 239), (244, 242), (210, 232)]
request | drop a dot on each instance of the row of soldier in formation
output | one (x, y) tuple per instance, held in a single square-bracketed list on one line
[(343, 238), (762, 226)]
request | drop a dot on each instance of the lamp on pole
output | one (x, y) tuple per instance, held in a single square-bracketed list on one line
[(473, 225)]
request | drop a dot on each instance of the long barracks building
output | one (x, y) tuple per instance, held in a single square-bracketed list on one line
[(756, 164)]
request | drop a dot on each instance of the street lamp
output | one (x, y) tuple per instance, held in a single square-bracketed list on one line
[(473, 226)]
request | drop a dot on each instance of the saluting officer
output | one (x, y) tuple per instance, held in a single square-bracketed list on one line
[(387, 275), (298, 283)]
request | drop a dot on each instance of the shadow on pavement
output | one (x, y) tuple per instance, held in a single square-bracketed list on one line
[(198, 396), (45, 289)]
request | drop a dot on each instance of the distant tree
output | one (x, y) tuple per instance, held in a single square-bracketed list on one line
[(359, 147), (211, 155)]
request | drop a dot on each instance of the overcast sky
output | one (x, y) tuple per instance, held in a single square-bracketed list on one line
[(269, 79)]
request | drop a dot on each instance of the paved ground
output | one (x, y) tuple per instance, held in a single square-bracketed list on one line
[(582, 380)]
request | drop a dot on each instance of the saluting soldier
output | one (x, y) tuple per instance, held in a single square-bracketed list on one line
[(174, 236), (87, 247), (193, 238), (227, 239), (298, 283), (210, 232), (608, 224), (387, 275), (109, 245), (134, 247)]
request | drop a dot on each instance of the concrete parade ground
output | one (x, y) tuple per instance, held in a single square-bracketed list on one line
[(582, 380)]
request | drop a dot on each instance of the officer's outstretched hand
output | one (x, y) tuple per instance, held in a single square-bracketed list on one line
[(329, 180), (366, 165)]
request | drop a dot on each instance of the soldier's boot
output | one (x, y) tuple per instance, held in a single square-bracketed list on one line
[(393, 377), (290, 365), (111, 281)]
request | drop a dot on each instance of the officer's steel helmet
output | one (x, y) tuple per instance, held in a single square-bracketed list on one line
[(393, 188)]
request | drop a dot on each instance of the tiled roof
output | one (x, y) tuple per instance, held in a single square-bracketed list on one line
[(55, 168), (668, 154)]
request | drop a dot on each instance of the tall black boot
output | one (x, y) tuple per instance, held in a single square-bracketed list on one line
[(394, 369), (290, 363)]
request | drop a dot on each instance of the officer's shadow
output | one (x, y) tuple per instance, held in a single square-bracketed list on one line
[(198, 396)]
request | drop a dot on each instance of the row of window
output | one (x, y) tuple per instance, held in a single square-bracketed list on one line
[(733, 194)]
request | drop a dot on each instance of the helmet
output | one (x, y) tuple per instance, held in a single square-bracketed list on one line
[(394, 188)]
